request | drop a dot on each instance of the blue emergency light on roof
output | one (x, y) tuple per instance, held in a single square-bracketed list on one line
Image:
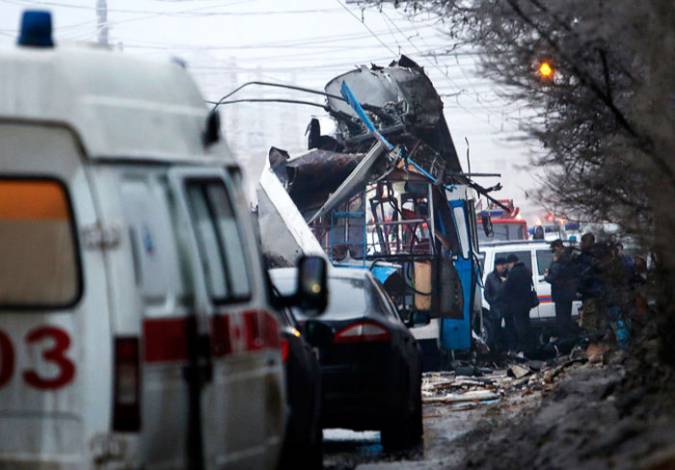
[(36, 29)]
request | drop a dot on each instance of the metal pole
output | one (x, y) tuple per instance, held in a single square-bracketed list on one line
[(468, 155), (432, 226), (102, 22)]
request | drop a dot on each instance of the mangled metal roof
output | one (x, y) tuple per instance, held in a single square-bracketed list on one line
[(397, 103), (404, 106)]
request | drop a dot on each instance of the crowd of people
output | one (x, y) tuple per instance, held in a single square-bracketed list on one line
[(608, 282)]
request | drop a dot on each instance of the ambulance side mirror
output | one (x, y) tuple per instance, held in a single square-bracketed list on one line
[(312, 285)]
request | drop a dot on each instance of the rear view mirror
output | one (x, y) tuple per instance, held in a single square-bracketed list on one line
[(312, 285)]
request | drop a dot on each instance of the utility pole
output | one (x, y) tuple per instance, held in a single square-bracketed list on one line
[(102, 22)]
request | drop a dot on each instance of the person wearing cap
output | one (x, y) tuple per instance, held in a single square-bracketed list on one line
[(518, 302), (562, 275), (494, 293)]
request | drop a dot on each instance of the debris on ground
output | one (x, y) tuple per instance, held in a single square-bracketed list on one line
[(519, 371), (471, 383), (542, 414), (470, 396)]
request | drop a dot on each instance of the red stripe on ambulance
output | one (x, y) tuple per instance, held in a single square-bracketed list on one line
[(166, 339)]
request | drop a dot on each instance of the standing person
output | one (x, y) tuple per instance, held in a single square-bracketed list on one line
[(627, 261), (518, 302), (590, 287), (617, 296), (494, 293), (562, 276)]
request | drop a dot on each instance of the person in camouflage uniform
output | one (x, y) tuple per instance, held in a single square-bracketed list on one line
[(616, 293)]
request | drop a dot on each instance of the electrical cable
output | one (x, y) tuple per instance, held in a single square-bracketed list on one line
[(311, 42), (375, 109), (188, 12), (372, 33), (269, 100), (299, 68), (435, 65), (444, 73), (277, 85)]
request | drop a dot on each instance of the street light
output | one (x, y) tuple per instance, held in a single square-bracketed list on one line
[(545, 70)]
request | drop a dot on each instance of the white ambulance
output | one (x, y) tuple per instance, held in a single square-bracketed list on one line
[(135, 325)]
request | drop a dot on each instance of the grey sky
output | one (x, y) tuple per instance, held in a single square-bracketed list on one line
[(305, 42)]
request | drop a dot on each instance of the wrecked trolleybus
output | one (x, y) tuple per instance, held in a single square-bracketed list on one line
[(387, 192)]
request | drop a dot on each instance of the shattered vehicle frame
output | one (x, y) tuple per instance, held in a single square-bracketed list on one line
[(387, 192)]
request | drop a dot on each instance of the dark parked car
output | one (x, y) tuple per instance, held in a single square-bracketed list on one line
[(302, 442), (370, 362)]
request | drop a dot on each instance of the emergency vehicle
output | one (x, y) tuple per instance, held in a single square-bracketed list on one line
[(506, 225), (537, 257), (135, 325)]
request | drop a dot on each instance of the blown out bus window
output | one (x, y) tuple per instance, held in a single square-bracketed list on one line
[(220, 243), (38, 249)]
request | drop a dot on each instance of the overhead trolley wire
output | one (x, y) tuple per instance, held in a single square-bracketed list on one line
[(268, 100), (443, 72), (372, 33), (310, 42), (196, 11), (492, 85)]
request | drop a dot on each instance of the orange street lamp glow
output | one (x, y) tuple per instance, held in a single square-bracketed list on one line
[(545, 70)]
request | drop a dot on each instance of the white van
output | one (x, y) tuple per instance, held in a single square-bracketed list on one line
[(135, 326), (537, 257)]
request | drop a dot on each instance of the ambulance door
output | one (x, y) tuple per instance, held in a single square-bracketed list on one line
[(152, 313), (543, 257), (233, 376), (55, 354)]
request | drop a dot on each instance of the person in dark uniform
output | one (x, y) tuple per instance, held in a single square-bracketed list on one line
[(494, 292), (518, 302), (563, 276)]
